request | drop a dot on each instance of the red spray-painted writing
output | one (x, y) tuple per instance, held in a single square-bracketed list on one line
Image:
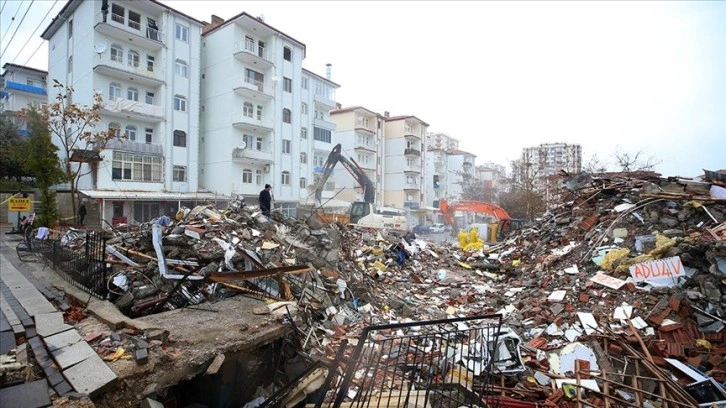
[(658, 269)]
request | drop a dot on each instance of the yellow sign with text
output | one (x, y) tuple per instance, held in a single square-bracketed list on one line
[(19, 204)]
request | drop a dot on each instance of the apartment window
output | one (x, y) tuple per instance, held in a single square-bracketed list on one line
[(285, 179), (179, 173), (303, 158), (409, 128), (149, 98), (144, 211), (117, 53), (363, 140), (409, 162), (70, 64), (180, 103), (363, 122), (304, 83), (181, 68), (182, 33), (362, 159), (322, 135), (285, 146), (134, 20), (287, 84), (303, 182), (117, 13), (136, 167), (286, 116), (180, 138), (287, 54), (115, 128), (150, 63), (319, 114), (304, 108), (133, 59), (259, 112), (131, 132), (248, 109), (258, 177), (70, 28), (133, 94), (258, 143), (247, 176), (303, 133), (149, 135), (114, 91)]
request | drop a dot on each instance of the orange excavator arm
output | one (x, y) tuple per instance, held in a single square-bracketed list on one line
[(448, 210)]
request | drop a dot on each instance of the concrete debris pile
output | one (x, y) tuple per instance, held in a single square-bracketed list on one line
[(617, 295)]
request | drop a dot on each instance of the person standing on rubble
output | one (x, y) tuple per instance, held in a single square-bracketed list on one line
[(266, 200)]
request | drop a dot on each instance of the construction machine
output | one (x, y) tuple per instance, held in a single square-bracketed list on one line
[(362, 213), (492, 232)]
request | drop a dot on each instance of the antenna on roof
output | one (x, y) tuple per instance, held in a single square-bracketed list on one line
[(261, 17)]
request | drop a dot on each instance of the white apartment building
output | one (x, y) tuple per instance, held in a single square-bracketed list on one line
[(21, 86), (441, 141), (458, 163), (404, 161), (492, 177), (549, 158), (437, 170), (265, 119), (360, 133), (144, 58)]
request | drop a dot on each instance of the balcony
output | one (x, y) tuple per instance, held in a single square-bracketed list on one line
[(17, 86), (127, 109), (367, 148), (324, 124), (323, 101), (409, 170), (254, 90), (118, 26), (251, 124), (410, 187), (412, 152), (107, 66), (410, 136), (252, 54), (251, 156), (365, 130)]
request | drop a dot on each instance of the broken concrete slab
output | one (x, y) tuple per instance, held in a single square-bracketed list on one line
[(61, 340), (73, 354), (91, 376), (48, 324), (29, 395)]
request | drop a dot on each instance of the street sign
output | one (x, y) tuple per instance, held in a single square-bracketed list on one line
[(19, 204)]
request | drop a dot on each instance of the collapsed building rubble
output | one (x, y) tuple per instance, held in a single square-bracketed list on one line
[(613, 298)]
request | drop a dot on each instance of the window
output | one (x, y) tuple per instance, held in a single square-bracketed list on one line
[(247, 176), (304, 108), (149, 98), (248, 109), (180, 103), (303, 182), (287, 84), (131, 132), (286, 146), (136, 167), (409, 128), (259, 112), (304, 83), (179, 173), (70, 28), (319, 114), (144, 211), (133, 59), (117, 53), (363, 140), (286, 116), (70, 64), (285, 179), (114, 91), (150, 63), (180, 138), (362, 159), (149, 135), (322, 135), (287, 54), (117, 13), (258, 177), (182, 33), (134, 20), (362, 121), (133, 94), (303, 158), (303, 133), (115, 128), (181, 68)]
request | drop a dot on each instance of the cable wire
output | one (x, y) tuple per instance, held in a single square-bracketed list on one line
[(12, 20), (34, 31), (16, 28), (3, 6)]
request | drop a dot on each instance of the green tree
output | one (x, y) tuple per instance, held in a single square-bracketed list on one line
[(71, 126), (42, 162), (12, 147)]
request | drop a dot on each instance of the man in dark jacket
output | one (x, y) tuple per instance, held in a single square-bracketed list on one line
[(82, 213), (266, 200)]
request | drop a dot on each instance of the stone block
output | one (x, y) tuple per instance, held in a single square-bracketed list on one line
[(55, 379), (64, 339), (91, 376), (74, 354), (63, 388), (29, 395), (7, 341), (141, 356), (48, 324)]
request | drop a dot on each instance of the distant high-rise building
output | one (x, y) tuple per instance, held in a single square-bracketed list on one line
[(538, 165), (441, 141)]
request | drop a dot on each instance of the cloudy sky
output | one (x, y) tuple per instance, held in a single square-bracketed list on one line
[(632, 77)]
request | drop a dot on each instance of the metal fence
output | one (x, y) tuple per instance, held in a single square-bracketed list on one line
[(83, 263), (435, 364)]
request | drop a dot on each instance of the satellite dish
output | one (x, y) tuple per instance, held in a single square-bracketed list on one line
[(242, 146), (99, 48)]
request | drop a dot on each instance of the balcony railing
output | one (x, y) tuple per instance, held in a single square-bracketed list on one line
[(249, 47), (412, 152), (117, 20), (121, 105)]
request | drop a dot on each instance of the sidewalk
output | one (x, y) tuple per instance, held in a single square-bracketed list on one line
[(68, 362)]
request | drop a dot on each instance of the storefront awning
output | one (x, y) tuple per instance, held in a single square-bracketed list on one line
[(152, 195)]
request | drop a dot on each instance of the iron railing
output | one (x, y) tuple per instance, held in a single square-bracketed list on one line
[(441, 363), (83, 265)]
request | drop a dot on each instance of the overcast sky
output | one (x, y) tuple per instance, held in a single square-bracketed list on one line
[(501, 76)]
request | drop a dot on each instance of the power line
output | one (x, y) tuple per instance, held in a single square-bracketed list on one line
[(36, 29), (12, 20), (31, 55), (3, 7), (16, 28)]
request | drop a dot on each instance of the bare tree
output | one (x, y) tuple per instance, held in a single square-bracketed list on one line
[(72, 126), (521, 199), (594, 165), (634, 161)]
